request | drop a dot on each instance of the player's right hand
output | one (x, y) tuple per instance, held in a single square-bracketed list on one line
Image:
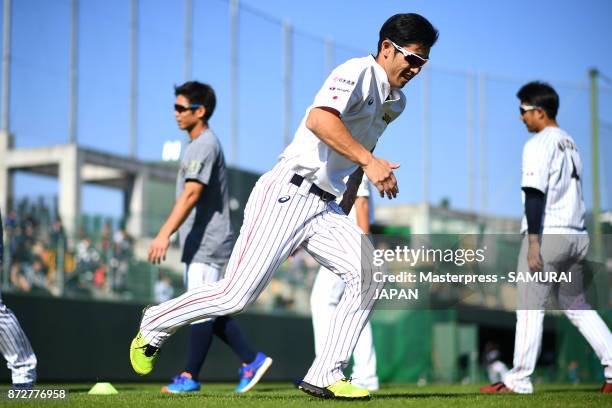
[(534, 256), (380, 173), (157, 249)]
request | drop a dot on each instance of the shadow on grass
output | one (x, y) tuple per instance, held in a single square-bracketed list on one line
[(81, 390), (426, 395), (251, 397), (556, 390), (273, 389), (261, 395)]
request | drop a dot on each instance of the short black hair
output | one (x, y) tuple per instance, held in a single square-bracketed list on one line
[(199, 94), (542, 95), (408, 28)]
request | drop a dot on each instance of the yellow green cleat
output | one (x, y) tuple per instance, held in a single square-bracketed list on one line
[(341, 389), (141, 363)]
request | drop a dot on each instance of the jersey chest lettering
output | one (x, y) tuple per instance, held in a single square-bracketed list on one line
[(566, 144)]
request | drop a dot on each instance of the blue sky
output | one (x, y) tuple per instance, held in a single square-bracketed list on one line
[(509, 42)]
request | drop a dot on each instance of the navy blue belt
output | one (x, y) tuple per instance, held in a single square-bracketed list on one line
[(314, 189)]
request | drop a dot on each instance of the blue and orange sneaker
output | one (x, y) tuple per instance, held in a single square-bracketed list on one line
[(181, 383), (250, 374)]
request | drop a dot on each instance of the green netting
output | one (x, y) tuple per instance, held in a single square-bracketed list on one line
[(421, 346), (403, 340), (424, 345)]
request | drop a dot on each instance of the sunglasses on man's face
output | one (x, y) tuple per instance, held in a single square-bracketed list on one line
[(526, 108), (181, 108), (415, 60)]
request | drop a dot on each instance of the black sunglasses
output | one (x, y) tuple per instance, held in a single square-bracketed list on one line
[(180, 108)]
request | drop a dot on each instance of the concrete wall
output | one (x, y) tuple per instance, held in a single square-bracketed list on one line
[(87, 341)]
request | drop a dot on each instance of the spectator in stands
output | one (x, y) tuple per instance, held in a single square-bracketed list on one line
[(57, 236), (18, 278), (30, 277), (163, 288), (122, 254)]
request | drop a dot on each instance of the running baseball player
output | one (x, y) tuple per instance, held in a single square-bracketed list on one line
[(326, 294), (14, 345), (293, 206), (555, 239), (202, 216)]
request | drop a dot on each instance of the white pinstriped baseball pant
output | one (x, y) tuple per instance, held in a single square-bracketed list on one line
[(16, 348), (273, 228), (559, 253)]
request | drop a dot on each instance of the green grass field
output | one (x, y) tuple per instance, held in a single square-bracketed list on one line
[(284, 395)]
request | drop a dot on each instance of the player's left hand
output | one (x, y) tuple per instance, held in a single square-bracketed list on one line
[(157, 249), (380, 173), (534, 258)]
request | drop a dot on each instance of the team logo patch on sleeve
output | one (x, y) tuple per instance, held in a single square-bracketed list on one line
[(194, 167)]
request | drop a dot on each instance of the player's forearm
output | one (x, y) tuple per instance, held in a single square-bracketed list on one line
[(183, 206), (535, 202), (328, 127), (533, 239), (362, 211)]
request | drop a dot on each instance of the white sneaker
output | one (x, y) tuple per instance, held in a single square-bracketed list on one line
[(369, 385)]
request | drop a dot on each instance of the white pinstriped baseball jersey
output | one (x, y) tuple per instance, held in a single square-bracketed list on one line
[(281, 216), (552, 164), (359, 90)]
